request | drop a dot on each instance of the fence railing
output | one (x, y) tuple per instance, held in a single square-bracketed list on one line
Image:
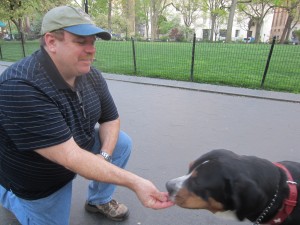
[(268, 66)]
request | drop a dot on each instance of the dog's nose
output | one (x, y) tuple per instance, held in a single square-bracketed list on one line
[(171, 187)]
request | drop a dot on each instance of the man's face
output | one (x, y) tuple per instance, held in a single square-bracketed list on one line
[(73, 55)]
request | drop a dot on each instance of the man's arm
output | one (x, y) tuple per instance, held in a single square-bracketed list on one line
[(94, 167), (109, 133)]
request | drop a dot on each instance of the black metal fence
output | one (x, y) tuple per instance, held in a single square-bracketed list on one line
[(268, 66)]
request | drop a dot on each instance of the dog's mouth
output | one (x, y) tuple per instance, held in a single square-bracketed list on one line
[(172, 197), (177, 199), (176, 196)]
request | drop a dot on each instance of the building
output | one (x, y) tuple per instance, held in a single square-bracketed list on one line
[(278, 24)]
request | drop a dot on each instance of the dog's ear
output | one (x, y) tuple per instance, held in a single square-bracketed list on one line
[(246, 197)]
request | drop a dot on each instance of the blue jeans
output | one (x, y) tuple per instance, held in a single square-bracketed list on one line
[(55, 209)]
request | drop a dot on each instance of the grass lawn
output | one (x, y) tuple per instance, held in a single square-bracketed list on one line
[(240, 65)]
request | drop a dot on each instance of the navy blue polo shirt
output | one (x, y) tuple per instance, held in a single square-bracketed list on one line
[(39, 109)]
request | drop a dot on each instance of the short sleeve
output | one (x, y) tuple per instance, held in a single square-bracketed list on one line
[(30, 117)]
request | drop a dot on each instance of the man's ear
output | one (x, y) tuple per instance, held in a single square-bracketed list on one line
[(50, 41), (246, 197)]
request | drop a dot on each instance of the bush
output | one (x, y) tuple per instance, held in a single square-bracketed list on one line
[(297, 33), (176, 35)]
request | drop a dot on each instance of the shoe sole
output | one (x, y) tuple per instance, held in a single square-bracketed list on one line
[(93, 209)]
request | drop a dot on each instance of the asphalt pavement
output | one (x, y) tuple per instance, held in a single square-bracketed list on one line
[(172, 123)]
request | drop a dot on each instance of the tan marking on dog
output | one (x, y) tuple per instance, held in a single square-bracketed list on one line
[(189, 200), (194, 173)]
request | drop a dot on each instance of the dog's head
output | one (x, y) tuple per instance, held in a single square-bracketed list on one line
[(215, 183)]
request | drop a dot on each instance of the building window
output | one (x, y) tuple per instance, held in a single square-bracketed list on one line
[(222, 32), (206, 33)]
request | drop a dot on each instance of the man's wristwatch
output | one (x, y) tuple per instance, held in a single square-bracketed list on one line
[(106, 156)]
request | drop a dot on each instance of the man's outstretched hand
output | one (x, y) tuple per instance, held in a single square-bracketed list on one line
[(150, 197), (159, 201)]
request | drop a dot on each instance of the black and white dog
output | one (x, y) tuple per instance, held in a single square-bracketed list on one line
[(252, 188)]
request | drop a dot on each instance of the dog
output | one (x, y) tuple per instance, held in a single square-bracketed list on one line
[(252, 188)]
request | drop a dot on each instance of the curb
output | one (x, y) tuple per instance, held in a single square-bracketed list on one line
[(208, 88)]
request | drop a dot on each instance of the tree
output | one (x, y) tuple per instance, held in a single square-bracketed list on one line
[(215, 8), (256, 12), (19, 12), (143, 15), (100, 11), (230, 21), (116, 16), (189, 10), (232, 9), (297, 34), (129, 14), (168, 24), (293, 10), (157, 8)]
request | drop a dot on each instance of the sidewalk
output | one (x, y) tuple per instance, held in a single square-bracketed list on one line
[(172, 123), (271, 95)]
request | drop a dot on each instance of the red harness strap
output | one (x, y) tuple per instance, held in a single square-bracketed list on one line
[(290, 202)]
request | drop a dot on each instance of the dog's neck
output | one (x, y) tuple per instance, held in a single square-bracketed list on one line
[(284, 193), (265, 194), (267, 209)]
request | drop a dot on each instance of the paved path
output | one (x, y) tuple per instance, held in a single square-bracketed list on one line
[(172, 123)]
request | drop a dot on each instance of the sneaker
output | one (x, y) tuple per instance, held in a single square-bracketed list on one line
[(112, 210)]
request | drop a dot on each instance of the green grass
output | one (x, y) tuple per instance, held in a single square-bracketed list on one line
[(240, 65), (13, 50)]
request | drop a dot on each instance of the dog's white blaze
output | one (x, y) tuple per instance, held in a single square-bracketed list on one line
[(180, 180), (205, 162)]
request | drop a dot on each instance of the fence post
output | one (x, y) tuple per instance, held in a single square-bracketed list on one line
[(134, 59), (1, 53), (268, 62), (193, 58), (23, 43)]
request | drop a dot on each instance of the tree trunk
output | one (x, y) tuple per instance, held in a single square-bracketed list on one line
[(27, 25), (109, 15), (154, 20), (154, 27), (131, 17), (212, 29), (230, 21), (286, 31), (257, 31), (147, 27)]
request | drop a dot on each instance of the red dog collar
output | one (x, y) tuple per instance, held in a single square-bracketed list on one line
[(290, 202)]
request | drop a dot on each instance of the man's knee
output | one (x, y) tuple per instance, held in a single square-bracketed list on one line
[(124, 142)]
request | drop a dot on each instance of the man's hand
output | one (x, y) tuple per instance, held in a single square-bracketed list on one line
[(150, 197)]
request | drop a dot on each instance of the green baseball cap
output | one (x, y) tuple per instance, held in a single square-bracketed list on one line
[(73, 20)]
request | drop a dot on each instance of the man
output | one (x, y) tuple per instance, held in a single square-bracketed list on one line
[(50, 103)]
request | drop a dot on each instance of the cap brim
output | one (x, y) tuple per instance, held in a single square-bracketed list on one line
[(87, 30)]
